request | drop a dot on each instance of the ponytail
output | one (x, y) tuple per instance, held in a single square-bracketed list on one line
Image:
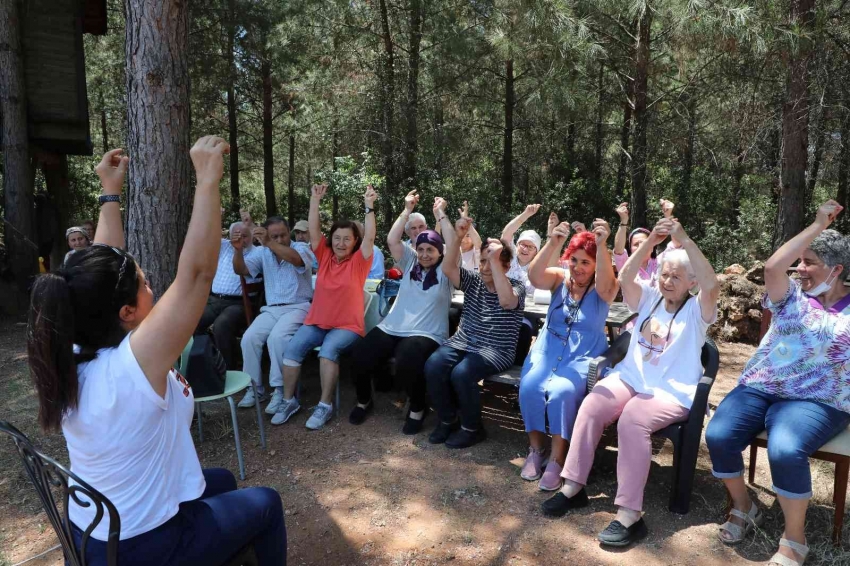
[(50, 346)]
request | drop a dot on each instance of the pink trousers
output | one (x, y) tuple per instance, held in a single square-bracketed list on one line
[(640, 415)]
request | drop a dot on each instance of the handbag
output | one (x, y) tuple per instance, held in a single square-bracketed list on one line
[(206, 371), (387, 291)]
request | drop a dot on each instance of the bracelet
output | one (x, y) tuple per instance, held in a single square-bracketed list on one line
[(623, 225), (443, 217), (103, 199)]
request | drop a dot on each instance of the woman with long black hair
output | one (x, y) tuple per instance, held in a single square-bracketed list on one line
[(101, 356)]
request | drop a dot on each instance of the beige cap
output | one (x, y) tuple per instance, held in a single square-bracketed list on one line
[(301, 226)]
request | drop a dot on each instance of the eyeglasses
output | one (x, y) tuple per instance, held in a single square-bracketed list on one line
[(526, 246), (662, 344)]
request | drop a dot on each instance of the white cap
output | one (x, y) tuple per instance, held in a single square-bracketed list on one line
[(530, 236)]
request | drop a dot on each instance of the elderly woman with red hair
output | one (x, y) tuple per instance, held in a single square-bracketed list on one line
[(554, 375)]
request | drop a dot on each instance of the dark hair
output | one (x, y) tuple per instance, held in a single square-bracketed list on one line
[(634, 233), (275, 220), (76, 305), (505, 257), (342, 225)]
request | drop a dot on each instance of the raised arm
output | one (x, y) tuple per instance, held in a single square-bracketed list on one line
[(622, 230), (709, 287), (776, 268), (667, 210), (367, 246), (281, 252), (397, 231), (508, 298), (239, 265), (452, 236), (112, 169), (628, 275), (606, 282), (511, 227), (163, 334), (541, 273), (472, 233), (314, 221)]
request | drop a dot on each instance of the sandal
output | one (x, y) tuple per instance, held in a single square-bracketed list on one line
[(739, 533), (783, 560)]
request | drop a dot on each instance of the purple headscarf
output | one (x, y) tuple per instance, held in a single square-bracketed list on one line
[(432, 238)]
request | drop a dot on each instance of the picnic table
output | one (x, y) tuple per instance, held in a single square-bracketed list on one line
[(618, 315)]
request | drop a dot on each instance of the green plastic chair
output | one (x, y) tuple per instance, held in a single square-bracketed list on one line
[(235, 381)]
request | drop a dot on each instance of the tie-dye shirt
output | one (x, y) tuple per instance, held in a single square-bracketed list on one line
[(806, 351)]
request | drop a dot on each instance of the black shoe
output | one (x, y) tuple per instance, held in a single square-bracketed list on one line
[(413, 426), (466, 438), (442, 432), (359, 414), (615, 534), (559, 504)]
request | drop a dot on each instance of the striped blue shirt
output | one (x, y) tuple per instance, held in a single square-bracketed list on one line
[(226, 281), (285, 284), (486, 328)]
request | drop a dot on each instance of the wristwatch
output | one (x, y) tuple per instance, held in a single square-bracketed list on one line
[(368, 210), (103, 199)]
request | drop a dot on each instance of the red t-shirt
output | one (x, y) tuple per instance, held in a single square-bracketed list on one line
[(338, 297)]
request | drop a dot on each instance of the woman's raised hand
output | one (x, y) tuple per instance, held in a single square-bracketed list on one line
[(494, 249), (112, 169), (827, 212), (370, 196), (560, 233), (531, 209), (677, 231), (319, 191), (601, 230), (464, 210), (578, 227), (551, 223), (411, 200), (208, 158), (462, 227), (440, 205), (660, 232), (667, 208), (623, 212)]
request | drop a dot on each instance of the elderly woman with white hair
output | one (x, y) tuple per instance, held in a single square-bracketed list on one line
[(795, 386), (654, 385), (78, 239)]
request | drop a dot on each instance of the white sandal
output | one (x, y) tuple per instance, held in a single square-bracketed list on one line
[(783, 560), (739, 533)]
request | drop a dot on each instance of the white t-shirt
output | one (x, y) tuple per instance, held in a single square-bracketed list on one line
[(671, 369), (520, 272), (471, 260), (417, 312), (131, 444)]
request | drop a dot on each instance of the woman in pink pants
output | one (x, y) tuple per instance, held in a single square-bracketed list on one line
[(652, 387)]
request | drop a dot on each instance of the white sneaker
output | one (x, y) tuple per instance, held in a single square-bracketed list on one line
[(248, 400), (285, 409), (321, 415), (272, 407)]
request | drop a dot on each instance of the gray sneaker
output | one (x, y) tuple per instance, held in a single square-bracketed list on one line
[(321, 415), (277, 398), (285, 409), (248, 400)]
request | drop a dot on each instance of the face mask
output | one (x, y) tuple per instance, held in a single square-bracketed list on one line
[(823, 287)]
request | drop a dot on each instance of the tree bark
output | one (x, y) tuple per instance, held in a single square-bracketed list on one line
[(268, 144), (641, 118), (411, 145), (795, 130), (817, 159), (387, 115), (159, 191), (104, 132), (17, 165), (682, 198), (290, 202), (599, 139), (843, 193), (508, 137), (232, 125), (54, 167), (625, 134)]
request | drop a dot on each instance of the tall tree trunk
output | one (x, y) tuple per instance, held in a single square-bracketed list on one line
[(684, 194), (268, 144), (599, 137), (738, 176), (641, 118), (17, 165), (508, 137), (625, 154), (387, 115), (817, 159), (335, 152), (54, 167), (232, 125), (795, 130), (439, 136), (290, 203), (411, 141), (159, 193), (104, 132)]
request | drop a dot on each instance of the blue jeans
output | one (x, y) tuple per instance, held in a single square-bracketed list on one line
[(796, 428), (333, 342), (207, 531), (454, 374)]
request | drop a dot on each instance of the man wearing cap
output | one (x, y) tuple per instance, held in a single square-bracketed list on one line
[(301, 233), (225, 311), (526, 247), (77, 238)]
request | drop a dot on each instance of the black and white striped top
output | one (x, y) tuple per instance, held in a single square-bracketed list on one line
[(485, 327)]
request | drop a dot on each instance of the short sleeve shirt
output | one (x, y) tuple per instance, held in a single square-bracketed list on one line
[(284, 282)]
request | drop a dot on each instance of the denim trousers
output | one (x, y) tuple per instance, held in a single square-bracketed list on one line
[(796, 428), (453, 375), (332, 341)]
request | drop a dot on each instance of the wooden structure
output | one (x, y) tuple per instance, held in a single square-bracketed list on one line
[(55, 73)]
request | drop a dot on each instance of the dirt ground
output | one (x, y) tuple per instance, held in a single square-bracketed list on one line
[(369, 495)]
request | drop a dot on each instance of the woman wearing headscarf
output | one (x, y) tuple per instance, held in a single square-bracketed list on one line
[(78, 239), (416, 325)]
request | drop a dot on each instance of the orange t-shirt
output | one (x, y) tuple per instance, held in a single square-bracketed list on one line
[(338, 297)]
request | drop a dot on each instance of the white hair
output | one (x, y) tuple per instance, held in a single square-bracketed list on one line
[(414, 216), (677, 257), (234, 226)]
